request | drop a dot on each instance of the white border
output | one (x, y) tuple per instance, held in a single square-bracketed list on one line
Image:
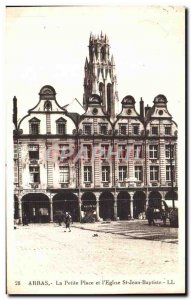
[(3, 110)]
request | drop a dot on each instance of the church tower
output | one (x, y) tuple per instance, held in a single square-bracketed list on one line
[(100, 77)]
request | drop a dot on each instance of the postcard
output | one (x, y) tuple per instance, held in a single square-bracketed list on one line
[(95, 178)]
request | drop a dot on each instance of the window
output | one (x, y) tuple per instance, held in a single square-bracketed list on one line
[(87, 129), (103, 53), (104, 151), (153, 151), (87, 174), (136, 129), (154, 130), (154, 173), (121, 151), (64, 152), (15, 151), (61, 126), (139, 173), (105, 174), (87, 152), (34, 126), (122, 173), (64, 174), (168, 173), (137, 151), (122, 129), (167, 130), (34, 174), (103, 129), (167, 151), (47, 106), (33, 151)]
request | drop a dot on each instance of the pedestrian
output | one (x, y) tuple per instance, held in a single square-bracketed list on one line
[(163, 217), (150, 215), (67, 221), (25, 220), (60, 219)]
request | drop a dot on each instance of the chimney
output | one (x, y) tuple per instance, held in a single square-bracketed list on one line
[(142, 108), (15, 111), (147, 108)]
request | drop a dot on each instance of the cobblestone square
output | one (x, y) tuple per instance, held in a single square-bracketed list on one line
[(93, 250)]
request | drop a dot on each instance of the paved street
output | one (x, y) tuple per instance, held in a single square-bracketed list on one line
[(43, 250), (135, 229)]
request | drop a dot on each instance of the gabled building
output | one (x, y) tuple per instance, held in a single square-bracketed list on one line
[(98, 161)]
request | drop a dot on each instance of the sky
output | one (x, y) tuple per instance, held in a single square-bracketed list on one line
[(48, 45)]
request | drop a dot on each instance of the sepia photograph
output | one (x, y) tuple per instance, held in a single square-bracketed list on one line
[(95, 178)]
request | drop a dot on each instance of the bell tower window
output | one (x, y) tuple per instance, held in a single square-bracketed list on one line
[(109, 97), (103, 53), (101, 90)]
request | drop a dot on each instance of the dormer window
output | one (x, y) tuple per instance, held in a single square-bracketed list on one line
[(154, 130), (167, 130), (103, 129), (47, 106), (61, 126), (122, 129), (87, 129), (135, 129), (34, 126)]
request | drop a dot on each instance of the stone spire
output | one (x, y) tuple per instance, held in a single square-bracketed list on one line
[(100, 77)]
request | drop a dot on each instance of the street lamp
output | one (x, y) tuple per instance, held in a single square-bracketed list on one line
[(115, 187)]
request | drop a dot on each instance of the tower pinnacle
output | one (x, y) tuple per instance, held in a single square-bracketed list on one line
[(100, 77)]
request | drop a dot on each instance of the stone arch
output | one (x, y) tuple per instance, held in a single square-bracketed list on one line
[(171, 195), (66, 202), (171, 198), (155, 199), (36, 207), (106, 205), (139, 203), (123, 205), (88, 202)]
